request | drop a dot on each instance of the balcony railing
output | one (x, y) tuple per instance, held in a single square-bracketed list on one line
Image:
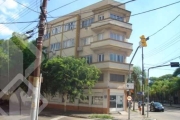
[(112, 44), (111, 23)]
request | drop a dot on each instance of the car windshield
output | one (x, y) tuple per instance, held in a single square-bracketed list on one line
[(157, 104)]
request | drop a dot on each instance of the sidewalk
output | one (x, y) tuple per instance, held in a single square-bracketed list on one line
[(123, 115)]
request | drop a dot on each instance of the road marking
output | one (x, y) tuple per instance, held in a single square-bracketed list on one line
[(57, 118)]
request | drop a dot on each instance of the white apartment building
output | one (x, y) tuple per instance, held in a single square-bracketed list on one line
[(99, 33)]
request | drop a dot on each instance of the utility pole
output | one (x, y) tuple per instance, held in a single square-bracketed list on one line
[(143, 44), (142, 82), (36, 79), (129, 80)]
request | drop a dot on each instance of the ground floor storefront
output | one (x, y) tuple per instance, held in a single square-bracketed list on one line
[(99, 101)]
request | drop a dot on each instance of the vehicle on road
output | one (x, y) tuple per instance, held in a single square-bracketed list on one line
[(156, 106)]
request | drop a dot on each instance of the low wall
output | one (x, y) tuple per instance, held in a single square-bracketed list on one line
[(79, 108)]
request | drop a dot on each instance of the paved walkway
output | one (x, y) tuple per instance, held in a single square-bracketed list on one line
[(117, 116)]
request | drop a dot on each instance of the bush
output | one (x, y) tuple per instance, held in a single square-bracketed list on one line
[(102, 116)]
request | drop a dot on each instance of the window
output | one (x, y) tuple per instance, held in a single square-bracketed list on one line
[(69, 26), (116, 58), (116, 36), (85, 100), (87, 22), (68, 43), (53, 31), (86, 41), (46, 36), (101, 77), (117, 78), (100, 36), (100, 17), (100, 57), (55, 46), (88, 59), (116, 17), (59, 29), (97, 100)]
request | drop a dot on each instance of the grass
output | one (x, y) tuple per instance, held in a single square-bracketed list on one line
[(102, 116)]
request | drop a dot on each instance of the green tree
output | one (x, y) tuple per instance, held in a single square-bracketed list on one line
[(135, 76), (68, 76), (176, 72)]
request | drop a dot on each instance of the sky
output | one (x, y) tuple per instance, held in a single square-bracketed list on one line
[(162, 47)]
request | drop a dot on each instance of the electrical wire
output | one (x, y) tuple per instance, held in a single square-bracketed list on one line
[(156, 8), (92, 9), (26, 6), (168, 56), (171, 60), (17, 22), (165, 26), (62, 6), (163, 45), (21, 13), (175, 40)]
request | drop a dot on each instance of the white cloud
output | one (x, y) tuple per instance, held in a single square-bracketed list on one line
[(9, 4), (10, 11), (5, 30)]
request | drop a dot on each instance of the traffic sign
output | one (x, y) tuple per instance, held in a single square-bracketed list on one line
[(130, 86), (129, 98)]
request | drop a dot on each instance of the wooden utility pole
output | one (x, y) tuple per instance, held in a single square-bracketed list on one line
[(36, 79)]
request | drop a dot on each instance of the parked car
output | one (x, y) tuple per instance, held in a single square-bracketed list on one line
[(156, 106)]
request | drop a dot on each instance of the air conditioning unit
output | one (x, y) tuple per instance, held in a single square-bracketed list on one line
[(80, 49)]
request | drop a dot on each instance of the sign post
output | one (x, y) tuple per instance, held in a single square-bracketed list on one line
[(129, 98)]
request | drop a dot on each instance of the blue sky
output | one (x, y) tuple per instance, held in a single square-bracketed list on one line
[(161, 47)]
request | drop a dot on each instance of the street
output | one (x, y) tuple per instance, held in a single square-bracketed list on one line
[(170, 113)]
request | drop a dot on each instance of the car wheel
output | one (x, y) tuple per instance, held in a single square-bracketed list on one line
[(162, 110)]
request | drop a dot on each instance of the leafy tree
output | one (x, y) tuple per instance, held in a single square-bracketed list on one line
[(176, 72), (68, 76), (135, 76)]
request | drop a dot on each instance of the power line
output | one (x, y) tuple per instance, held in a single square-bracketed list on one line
[(26, 6), (92, 9), (20, 14), (18, 22), (155, 8), (177, 40), (171, 60), (62, 6), (175, 51), (163, 45), (165, 26)]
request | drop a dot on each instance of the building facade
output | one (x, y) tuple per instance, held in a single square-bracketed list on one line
[(99, 33)]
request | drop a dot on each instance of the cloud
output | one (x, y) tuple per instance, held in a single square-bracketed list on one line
[(10, 11), (5, 30)]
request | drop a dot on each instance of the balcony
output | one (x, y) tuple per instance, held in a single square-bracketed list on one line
[(112, 44), (112, 24), (108, 65)]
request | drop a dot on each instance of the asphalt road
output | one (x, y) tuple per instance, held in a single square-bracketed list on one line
[(169, 114)]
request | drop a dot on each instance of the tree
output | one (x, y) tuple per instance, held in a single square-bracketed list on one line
[(135, 76), (68, 76), (176, 72)]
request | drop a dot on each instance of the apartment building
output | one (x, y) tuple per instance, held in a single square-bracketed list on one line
[(99, 33)]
